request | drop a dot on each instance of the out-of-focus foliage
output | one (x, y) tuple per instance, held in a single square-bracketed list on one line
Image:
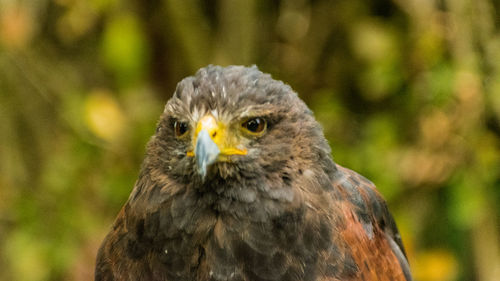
[(408, 92)]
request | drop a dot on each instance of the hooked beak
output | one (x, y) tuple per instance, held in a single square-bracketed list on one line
[(206, 152), (213, 142)]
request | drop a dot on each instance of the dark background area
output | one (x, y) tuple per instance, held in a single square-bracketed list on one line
[(408, 92)]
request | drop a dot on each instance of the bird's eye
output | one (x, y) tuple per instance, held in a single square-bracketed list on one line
[(255, 125), (180, 128)]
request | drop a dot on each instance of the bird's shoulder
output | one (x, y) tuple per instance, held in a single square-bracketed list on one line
[(369, 226)]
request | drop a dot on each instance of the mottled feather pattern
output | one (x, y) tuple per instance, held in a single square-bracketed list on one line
[(284, 211)]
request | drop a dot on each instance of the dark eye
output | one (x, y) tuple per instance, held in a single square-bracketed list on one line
[(255, 125), (180, 128)]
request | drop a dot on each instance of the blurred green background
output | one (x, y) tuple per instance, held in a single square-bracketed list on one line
[(408, 92)]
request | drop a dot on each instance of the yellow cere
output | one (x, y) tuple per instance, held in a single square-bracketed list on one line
[(209, 124), (218, 132)]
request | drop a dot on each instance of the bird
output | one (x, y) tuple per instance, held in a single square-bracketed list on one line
[(238, 183)]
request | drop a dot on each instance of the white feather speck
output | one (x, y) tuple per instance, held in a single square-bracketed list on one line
[(214, 113), (224, 94)]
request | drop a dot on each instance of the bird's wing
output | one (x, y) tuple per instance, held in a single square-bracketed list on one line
[(370, 229), (104, 270)]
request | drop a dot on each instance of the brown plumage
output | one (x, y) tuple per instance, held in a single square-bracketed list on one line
[(238, 184)]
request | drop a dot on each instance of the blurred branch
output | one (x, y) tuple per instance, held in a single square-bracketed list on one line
[(192, 31)]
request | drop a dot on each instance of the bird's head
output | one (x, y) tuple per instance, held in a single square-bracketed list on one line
[(235, 122)]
